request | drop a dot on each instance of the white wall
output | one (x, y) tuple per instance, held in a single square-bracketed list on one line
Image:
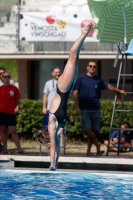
[(109, 72)]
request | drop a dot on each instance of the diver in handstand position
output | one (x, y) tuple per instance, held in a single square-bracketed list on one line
[(58, 108)]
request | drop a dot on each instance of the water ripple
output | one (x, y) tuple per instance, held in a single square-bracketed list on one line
[(32, 185)]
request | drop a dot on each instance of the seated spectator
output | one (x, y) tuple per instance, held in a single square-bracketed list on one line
[(114, 139), (131, 142)]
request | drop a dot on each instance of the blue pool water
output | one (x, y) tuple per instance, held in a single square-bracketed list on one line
[(39, 185)]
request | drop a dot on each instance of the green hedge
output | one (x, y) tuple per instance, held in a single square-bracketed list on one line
[(73, 124), (29, 119)]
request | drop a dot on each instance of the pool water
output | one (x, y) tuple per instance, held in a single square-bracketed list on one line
[(40, 185)]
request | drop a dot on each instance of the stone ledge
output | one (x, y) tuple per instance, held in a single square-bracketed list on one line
[(76, 163)]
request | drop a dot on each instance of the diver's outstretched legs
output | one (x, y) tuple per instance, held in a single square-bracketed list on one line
[(70, 72), (54, 141), (64, 83), (52, 128)]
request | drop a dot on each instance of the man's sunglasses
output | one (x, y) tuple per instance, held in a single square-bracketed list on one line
[(92, 66), (6, 77)]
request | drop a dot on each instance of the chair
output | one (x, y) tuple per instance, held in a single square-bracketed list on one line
[(63, 142), (129, 51), (44, 124), (63, 136)]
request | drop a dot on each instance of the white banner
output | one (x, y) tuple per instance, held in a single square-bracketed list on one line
[(40, 26)]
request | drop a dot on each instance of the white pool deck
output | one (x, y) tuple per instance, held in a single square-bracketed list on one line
[(96, 160), (69, 162)]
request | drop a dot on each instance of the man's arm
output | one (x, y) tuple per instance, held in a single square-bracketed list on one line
[(111, 141), (44, 102), (122, 141), (114, 135), (16, 105), (112, 88), (75, 95)]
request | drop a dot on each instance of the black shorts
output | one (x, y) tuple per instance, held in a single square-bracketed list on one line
[(7, 119), (91, 119)]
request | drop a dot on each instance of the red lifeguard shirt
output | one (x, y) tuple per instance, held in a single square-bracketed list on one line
[(8, 96)]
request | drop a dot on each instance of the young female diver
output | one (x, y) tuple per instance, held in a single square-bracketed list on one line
[(58, 108)]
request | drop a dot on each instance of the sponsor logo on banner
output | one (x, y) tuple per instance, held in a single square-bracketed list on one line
[(47, 27)]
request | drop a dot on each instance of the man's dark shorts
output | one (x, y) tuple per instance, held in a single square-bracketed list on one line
[(7, 119), (91, 119)]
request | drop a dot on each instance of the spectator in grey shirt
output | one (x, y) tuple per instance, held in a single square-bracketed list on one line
[(2, 70), (49, 93)]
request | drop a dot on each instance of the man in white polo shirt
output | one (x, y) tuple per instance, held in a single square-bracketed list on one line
[(2, 70), (49, 93)]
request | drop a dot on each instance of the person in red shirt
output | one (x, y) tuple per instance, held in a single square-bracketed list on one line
[(2, 70), (9, 99)]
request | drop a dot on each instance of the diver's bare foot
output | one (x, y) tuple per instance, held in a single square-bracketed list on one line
[(52, 168), (85, 30)]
